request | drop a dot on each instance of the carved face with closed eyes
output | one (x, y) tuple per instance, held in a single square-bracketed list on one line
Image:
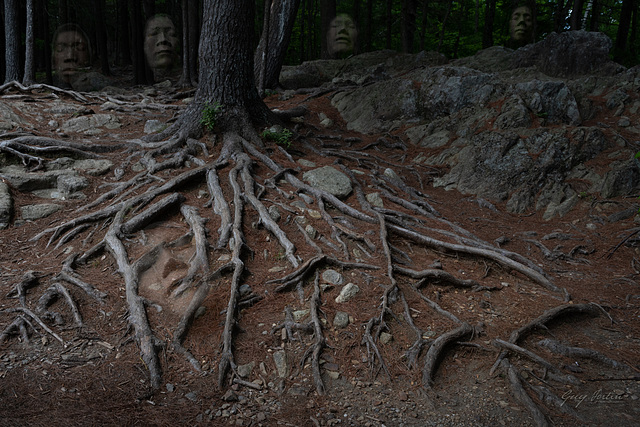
[(521, 24), (71, 52), (342, 35), (160, 42)]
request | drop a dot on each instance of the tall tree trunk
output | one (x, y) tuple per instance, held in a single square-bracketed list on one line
[(29, 70), (185, 78), (123, 49), (423, 24), (489, 17), (444, 25), (561, 15), (12, 41), (140, 69), (327, 13), (101, 36), (594, 24), (63, 12), (409, 10), (226, 68), (369, 27), (622, 37), (389, 22), (194, 38), (575, 20), (274, 42)]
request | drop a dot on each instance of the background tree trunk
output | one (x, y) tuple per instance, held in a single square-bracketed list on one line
[(274, 42), (409, 10), (101, 36), (489, 17), (12, 41), (621, 43), (123, 52), (327, 13), (194, 38), (575, 20), (185, 79), (389, 22), (141, 72), (29, 70)]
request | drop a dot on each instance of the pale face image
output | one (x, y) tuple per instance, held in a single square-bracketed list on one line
[(70, 53), (521, 24), (342, 35), (160, 42)]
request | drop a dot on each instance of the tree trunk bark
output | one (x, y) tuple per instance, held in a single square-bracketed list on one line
[(622, 37), (226, 68), (12, 41), (489, 16), (409, 10), (194, 37), (63, 12), (595, 15), (274, 42), (575, 20), (123, 47), (29, 70), (101, 36), (389, 21), (327, 13), (444, 24), (141, 71), (185, 79)]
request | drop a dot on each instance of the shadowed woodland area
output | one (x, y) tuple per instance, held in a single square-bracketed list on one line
[(317, 213)]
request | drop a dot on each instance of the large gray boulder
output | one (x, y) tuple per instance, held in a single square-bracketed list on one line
[(568, 54)]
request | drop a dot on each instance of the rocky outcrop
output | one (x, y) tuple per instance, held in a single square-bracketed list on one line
[(513, 126)]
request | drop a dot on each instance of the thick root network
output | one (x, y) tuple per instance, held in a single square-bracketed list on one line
[(244, 184)]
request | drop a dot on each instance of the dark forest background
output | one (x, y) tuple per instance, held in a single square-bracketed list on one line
[(455, 28)]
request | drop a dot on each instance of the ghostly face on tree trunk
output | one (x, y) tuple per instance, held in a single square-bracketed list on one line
[(521, 25), (160, 43), (71, 52), (342, 35)]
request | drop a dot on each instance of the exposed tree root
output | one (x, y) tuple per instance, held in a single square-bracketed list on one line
[(436, 349), (239, 199)]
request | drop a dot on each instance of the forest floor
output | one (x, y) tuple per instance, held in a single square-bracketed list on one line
[(98, 377)]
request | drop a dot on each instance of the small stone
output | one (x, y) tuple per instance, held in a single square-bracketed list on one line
[(274, 213), (280, 360), (244, 371), (230, 396), (314, 214), (385, 338), (306, 163), (375, 200), (403, 396), (307, 199), (298, 315), (347, 293), (299, 205), (245, 290), (191, 396), (311, 231), (333, 277), (341, 320), (154, 126), (333, 374)]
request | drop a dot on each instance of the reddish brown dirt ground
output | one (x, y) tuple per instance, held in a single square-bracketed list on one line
[(98, 377)]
